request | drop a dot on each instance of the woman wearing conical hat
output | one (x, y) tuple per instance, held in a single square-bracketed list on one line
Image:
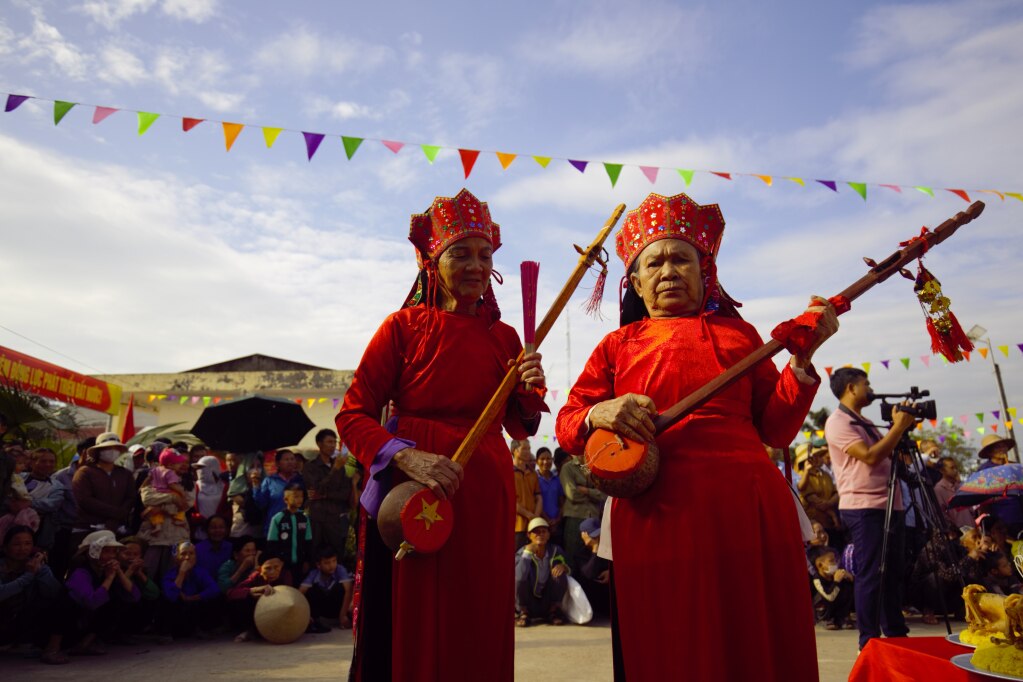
[(449, 615), (709, 570)]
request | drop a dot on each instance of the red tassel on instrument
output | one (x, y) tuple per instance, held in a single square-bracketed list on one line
[(530, 271), (592, 306), (947, 336)]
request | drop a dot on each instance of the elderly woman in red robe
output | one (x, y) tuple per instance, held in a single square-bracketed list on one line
[(709, 570), (449, 615)]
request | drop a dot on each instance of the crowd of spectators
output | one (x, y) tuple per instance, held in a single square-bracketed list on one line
[(154, 544)]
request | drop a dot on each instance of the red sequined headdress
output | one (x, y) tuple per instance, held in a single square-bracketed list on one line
[(449, 219), (675, 217)]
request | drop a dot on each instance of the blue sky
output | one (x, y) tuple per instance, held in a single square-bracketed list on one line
[(163, 252)]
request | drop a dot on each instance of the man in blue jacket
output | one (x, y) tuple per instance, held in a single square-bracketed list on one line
[(541, 577)]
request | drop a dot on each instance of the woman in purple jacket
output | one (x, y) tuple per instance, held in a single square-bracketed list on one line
[(95, 584)]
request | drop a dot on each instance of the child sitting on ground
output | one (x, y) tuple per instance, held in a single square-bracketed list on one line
[(832, 585), (1000, 578), (291, 533), (328, 587), (242, 598), (166, 478)]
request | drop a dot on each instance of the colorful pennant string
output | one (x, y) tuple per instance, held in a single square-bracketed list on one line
[(469, 157)]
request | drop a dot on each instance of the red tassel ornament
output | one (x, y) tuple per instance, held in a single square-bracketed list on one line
[(947, 336), (530, 272)]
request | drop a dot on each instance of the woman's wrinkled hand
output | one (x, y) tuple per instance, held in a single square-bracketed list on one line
[(437, 473), (631, 415), (827, 325), (530, 371)]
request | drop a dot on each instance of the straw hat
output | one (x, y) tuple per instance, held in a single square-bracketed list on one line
[(283, 616), (108, 441), (992, 444)]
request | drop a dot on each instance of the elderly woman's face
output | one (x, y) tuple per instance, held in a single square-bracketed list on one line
[(465, 268), (668, 278), (185, 552)]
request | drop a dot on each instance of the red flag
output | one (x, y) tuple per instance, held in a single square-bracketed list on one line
[(128, 430)]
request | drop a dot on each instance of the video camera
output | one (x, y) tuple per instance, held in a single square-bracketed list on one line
[(922, 409)]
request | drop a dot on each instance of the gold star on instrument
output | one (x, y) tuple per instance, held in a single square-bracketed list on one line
[(429, 515)]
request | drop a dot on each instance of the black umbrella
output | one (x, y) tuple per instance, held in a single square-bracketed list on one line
[(253, 423)]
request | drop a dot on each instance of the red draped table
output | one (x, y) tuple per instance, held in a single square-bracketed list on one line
[(911, 658)]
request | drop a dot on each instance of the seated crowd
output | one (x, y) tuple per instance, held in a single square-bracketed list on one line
[(163, 542)]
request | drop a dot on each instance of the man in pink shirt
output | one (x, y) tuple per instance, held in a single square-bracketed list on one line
[(861, 459)]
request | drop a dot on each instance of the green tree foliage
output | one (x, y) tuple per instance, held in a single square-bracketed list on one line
[(40, 423)]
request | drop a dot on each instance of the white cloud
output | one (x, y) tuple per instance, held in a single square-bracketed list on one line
[(46, 44), (304, 52), (197, 11), (119, 65), (342, 111), (110, 13), (609, 38)]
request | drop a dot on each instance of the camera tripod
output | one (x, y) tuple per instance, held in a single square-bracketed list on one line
[(928, 514)]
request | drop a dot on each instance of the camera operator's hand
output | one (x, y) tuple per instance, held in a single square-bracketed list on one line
[(902, 421)]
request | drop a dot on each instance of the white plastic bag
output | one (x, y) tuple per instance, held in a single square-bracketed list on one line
[(575, 604)]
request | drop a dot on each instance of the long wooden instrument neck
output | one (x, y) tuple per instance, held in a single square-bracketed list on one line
[(878, 273), (497, 403)]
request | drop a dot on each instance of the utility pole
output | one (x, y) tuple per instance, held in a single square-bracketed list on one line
[(975, 335)]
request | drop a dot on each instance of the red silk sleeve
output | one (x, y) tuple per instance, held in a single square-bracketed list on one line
[(374, 384), (594, 385), (780, 400)]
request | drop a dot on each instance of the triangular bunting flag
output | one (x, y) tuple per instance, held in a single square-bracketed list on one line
[(321, 400), (926, 190), (860, 188), (469, 157), (351, 144), (613, 171), (1005, 350), (905, 362), (997, 413), (189, 123), (206, 400), (650, 172), (1015, 195), (948, 420), (505, 159), (1000, 195), (216, 401), (980, 417), (393, 145), (894, 188), (980, 430), (312, 143), (146, 119), (60, 110), (966, 354), (542, 160), (554, 395), (270, 136), (885, 363), (14, 101), (798, 181), (310, 402), (195, 400), (807, 434), (579, 165), (934, 423), (431, 151), (983, 352), (1020, 346), (336, 402), (828, 370), (687, 175), (965, 419), (961, 193), (830, 184), (1008, 426), (926, 359), (231, 132), (726, 176), (1012, 412), (994, 427), (183, 400), (152, 397), (866, 367), (820, 433), (768, 180), (101, 114)]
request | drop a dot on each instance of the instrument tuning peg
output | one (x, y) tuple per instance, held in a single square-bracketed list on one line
[(907, 274), (870, 262)]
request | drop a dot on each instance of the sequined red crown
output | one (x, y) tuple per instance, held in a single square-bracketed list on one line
[(449, 219), (675, 217)]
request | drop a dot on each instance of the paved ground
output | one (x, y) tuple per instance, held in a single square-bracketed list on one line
[(542, 653)]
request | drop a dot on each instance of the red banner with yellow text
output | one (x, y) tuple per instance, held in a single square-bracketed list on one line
[(50, 381)]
